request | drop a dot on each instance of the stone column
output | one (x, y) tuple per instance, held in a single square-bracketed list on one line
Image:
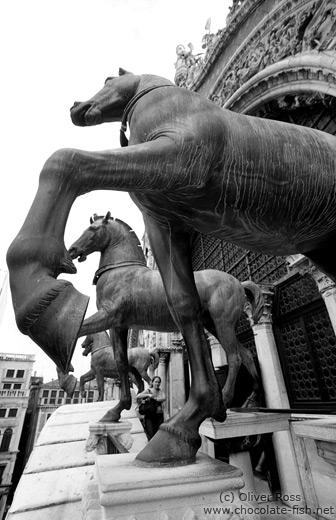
[(218, 354), (276, 396)]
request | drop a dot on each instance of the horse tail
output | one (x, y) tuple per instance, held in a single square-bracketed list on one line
[(154, 357), (256, 299)]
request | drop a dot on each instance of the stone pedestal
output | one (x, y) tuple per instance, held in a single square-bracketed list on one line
[(110, 437), (125, 491)]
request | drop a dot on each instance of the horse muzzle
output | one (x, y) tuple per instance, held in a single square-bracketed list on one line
[(84, 114), (75, 252)]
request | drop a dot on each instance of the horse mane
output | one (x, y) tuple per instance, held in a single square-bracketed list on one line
[(133, 235)]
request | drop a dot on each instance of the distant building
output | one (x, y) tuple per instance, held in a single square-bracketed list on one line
[(3, 291), (15, 374)]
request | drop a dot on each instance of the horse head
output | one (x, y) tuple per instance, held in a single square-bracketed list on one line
[(94, 238), (109, 103), (115, 239), (87, 345)]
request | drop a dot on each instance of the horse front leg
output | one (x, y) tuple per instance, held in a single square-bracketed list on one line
[(85, 378), (178, 440), (119, 344)]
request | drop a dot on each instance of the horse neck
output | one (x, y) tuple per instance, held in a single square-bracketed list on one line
[(150, 80), (100, 340), (121, 249)]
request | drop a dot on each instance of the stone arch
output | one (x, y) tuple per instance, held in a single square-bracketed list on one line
[(306, 74)]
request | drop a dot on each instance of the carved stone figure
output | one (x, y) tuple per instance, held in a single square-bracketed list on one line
[(265, 185), (129, 294), (103, 363)]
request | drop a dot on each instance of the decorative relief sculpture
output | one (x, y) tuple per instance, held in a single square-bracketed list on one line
[(264, 185), (291, 28)]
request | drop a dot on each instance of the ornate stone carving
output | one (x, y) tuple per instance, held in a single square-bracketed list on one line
[(291, 28), (266, 317), (303, 72), (320, 32), (278, 36)]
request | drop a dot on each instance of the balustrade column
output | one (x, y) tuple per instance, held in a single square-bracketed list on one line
[(161, 372), (176, 375), (276, 396)]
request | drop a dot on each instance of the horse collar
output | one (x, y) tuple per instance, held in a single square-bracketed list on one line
[(129, 106), (108, 267), (100, 348)]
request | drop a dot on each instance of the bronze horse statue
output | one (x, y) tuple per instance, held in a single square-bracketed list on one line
[(130, 295), (103, 363), (265, 185)]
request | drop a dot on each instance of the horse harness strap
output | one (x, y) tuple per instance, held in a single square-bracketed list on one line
[(108, 267), (129, 106), (100, 348)]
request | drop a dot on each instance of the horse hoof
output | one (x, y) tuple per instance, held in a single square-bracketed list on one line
[(220, 416), (110, 416), (220, 412), (170, 446)]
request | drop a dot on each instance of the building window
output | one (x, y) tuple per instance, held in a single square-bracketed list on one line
[(45, 393), (7, 386), (53, 393), (61, 393), (52, 401), (20, 373), (12, 412), (6, 439), (76, 394), (68, 400), (45, 401), (59, 401), (3, 412), (17, 386), (2, 470), (10, 373)]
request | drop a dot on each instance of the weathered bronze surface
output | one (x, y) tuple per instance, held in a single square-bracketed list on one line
[(265, 185), (129, 295), (103, 363)]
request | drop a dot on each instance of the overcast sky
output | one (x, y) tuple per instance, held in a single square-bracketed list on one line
[(54, 52)]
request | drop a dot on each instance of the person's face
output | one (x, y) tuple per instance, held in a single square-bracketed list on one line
[(156, 383)]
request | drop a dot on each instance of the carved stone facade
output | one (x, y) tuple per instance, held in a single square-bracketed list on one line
[(281, 30)]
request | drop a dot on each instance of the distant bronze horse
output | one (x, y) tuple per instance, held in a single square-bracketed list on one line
[(265, 185), (104, 365), (129, 295)]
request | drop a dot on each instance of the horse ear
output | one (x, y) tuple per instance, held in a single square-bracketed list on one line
[(123, 71), (107, 217)]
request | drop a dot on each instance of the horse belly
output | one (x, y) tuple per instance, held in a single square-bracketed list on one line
[(271, 188)]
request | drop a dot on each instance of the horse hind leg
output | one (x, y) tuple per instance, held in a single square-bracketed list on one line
[(119, 344), (248, 361)]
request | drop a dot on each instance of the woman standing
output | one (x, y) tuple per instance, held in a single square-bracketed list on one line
[(154, 419)]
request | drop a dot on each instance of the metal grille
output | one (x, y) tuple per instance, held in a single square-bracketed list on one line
[(211, 253), (307, 343)]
